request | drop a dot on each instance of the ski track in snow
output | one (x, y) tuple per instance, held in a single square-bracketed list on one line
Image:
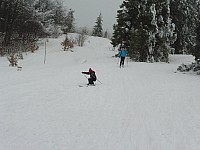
[(142, 106)]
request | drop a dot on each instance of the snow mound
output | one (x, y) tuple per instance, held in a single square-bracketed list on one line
[(180, 59)]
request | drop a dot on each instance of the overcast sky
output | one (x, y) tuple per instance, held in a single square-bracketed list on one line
[(87, 11)]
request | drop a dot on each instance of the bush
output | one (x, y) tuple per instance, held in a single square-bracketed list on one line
[(82, 36), (195, 67), (67, 44), (13, 59)]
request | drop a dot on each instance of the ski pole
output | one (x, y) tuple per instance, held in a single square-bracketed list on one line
[(86, 77), (99, 81), (127, 61), (118, 60)]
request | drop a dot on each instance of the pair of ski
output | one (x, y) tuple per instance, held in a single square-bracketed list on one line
[(86, 85)]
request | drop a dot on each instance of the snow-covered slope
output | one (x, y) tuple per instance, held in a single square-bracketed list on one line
[(142, 106)]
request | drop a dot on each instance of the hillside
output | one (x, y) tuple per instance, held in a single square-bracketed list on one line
[(143, 106)]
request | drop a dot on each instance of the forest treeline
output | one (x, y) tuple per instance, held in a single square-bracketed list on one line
[(153, 29), (23, 22)]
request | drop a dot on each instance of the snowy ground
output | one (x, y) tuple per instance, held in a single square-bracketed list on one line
[(143, 106)]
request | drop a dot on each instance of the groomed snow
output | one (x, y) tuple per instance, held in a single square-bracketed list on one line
[(143, 106)]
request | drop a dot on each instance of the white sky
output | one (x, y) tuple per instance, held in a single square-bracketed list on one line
[(87, 11)]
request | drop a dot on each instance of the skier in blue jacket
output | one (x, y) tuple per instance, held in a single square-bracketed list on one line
[(122, 54)]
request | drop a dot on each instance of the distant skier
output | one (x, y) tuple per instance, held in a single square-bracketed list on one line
[(92, 77), (122, 54)]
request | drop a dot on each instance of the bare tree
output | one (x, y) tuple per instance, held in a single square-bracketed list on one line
[(82, 36)]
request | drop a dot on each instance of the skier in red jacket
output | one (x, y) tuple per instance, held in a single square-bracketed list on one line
[(92, 77)]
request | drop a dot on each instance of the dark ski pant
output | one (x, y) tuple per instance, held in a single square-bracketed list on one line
[(91, 80), (122, 61)]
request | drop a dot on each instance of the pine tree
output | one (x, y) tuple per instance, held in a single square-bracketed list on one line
[(98, 29), (126, 21), (69, 24), (165, 31), (139, 46), (105, 34), (142, 40), (196, 51), (184, 13)]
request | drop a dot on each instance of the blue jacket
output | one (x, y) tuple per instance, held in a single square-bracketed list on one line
[(123, 53)]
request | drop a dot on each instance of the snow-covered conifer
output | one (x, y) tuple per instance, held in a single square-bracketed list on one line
[(98, 29)]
